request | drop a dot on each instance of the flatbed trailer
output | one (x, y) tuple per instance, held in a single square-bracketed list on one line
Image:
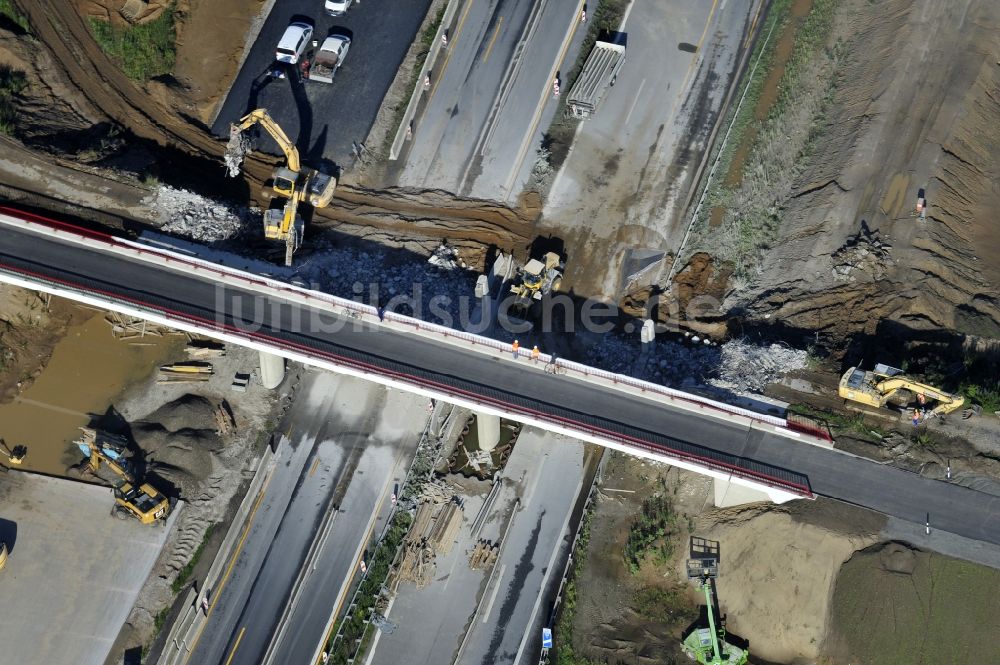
[(598, 74)]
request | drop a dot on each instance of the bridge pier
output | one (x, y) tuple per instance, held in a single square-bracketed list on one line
[(729, 493), (488, 428), (272, 370)]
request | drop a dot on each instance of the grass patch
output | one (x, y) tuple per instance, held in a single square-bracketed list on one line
[(12, 83), (185, 574), (354, 627), (849, 422), (650, 534), (10, 11), (562, 634), (664, 605), (142, 51), (939, 613), (775, 148)]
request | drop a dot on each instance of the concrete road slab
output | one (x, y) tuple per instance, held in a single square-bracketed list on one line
[(74, 570)]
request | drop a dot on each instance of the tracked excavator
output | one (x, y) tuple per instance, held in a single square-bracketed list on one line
[(293, 182), (876, 387), (106, 458)]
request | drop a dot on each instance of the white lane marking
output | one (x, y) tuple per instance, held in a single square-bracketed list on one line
[(635, 101), (493, 596)]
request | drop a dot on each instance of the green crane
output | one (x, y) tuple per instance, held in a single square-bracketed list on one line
[(708, 646)]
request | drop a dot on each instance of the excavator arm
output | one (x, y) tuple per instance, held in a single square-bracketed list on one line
[(277, 133), (946, 402)]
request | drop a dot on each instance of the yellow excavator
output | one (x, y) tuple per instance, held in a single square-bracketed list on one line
[(293, 182), (132, 498), (876, 387)]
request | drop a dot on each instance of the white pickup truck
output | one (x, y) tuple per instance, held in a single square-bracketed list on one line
[(329, 58)]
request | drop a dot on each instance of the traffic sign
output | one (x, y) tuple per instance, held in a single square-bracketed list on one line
[(546, 638)]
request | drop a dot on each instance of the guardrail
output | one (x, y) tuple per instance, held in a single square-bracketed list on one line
[(418, 91), (373, 317), (187, 627)]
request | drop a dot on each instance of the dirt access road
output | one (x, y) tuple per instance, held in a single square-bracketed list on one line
[(914, 106)]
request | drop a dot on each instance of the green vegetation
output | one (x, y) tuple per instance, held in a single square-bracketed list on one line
[(894, 607), (556, 142), (426, 42), (562, 634), (651, 533), (771, 152), (12, 83), (10, 11), (185, 574), (142, 51), (355, 626), (668, 605), (850, 422), (986, 395)]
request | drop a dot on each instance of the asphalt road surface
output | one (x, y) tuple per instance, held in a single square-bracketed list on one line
[(472, 81), (519, 386), (324, 119), (547, 473), (332, 436)]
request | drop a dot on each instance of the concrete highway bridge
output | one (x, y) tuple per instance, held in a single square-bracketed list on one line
[(749, 454)]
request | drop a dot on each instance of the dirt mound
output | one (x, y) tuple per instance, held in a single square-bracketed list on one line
[(186, 412), (898, 558), (776, 588), (895, 604)]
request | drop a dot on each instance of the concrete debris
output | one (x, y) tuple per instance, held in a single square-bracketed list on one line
[(199, 218), (446, 258), (236, 151), (867, 253), (736, 366)]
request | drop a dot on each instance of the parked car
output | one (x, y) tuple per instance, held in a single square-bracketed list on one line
[(293, 43), (329, 58), (338, 7)]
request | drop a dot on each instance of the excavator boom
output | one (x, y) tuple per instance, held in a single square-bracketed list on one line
[(875, 388), (277, 133)]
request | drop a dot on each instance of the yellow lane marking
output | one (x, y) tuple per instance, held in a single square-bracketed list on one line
[(489, 49), (694, 60), (314, 467), (217, 592), (236, 646), (451, 46), (753, 25)]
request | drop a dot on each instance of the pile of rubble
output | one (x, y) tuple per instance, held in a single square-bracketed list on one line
[(736, 366), (434, 529), (202, 219), (867, 252)]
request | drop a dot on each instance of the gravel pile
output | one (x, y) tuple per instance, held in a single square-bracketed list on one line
[(193, 216)]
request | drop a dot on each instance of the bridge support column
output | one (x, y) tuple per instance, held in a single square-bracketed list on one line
[(729, 493), (272, 370), (488, 428)]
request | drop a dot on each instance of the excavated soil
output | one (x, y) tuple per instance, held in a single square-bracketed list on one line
[(915, 107), (169, 113)]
